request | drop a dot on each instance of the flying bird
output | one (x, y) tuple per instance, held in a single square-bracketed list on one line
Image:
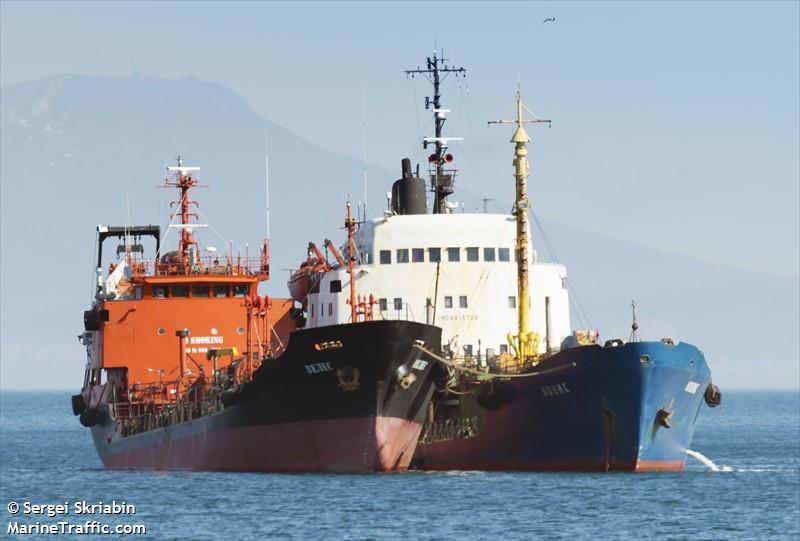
[(549, 20)]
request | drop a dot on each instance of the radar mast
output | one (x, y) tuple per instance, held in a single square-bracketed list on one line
[(185, 180), (441, 179)]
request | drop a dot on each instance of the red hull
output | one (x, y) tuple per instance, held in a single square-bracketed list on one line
[(577, 466), (340, 445)]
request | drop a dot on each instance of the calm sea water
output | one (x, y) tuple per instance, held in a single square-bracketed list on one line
[(754, 437)]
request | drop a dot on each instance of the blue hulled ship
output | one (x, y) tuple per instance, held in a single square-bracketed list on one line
[(628, 407)]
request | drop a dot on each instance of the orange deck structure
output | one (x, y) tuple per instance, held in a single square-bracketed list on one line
[(165, 320), (190, 368)]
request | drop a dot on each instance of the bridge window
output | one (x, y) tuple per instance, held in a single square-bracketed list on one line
[(159, 292), (386, 257), (200, 291), (503, 254), (448, 302), (462, 301), (239, 290), (434, 255), (383, 305), (402, 255), (472, 254), (512, 301), (180, 291), (454, 254), (221, 291), (488, 254), (336, 286), (417, 255), (398, 303), (503, 348)]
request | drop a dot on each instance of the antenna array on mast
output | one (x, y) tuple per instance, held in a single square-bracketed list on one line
[(441, 179)]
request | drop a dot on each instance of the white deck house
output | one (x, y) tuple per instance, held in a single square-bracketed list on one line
[(476, 304)]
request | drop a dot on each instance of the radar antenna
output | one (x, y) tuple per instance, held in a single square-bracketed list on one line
[(441, 179), (184, 179)]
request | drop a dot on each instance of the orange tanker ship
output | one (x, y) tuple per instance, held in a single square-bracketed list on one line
[(189, 368)]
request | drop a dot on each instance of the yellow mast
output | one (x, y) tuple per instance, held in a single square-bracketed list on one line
[(525, 343)]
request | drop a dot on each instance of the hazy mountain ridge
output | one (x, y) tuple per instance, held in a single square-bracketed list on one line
[(73, 145)]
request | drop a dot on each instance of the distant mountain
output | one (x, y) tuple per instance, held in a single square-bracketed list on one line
[(72, 147), (746, 322)]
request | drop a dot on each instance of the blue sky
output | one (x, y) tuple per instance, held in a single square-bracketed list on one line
[(675, 123)]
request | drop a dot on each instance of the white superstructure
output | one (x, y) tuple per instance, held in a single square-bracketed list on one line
[(476, 305), (474, 275)]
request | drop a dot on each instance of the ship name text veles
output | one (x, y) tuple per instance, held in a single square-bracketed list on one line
[(318, 368), (554, 389), (419, 364)]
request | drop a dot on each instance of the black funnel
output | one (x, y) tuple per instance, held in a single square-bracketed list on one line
[(408, 193)]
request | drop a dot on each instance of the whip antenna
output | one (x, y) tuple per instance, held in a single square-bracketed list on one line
[(364, 143), (266, 172)]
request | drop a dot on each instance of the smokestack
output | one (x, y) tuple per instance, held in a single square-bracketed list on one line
[(408, 193)]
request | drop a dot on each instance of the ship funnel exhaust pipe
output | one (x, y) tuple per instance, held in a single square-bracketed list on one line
[(406, 167), (408, 193)]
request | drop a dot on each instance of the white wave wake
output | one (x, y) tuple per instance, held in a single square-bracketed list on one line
[(707, 461)]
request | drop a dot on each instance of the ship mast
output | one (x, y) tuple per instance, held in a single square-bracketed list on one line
[(350, 225), (441, 179), (184, 181), (525, 341)]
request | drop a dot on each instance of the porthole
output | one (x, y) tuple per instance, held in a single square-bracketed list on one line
[(240, 330), (161, 331), (214, 331)]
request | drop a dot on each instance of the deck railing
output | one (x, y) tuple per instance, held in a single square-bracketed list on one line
[(161, 415), (152, 405), (211, 266)]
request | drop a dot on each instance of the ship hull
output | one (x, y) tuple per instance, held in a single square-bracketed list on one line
[(333, 401), (627, 408), (214, 443)]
